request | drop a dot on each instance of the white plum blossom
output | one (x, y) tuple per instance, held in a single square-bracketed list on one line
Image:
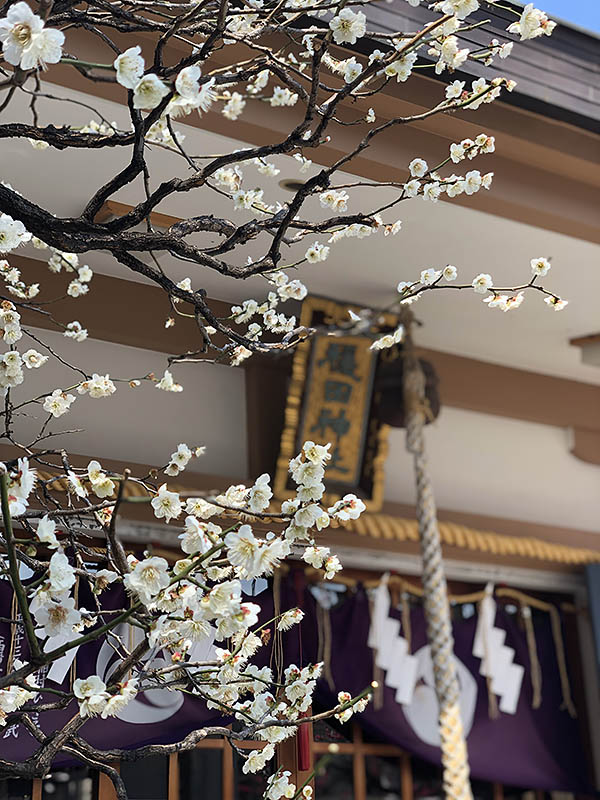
[(504, 302), (260, 494), (418, 168), (316, 252), (12, 698), (349, 507), (449, 54), (97, 386), (279, 786), (149, 92), (234, 106), (45, 532), (179, 460), (103, 578), (388, 339), (555, 302), (456, 185), (316, 556), (117, 702), (540, 267), (450, 272), (432, 191), (167, 384), (85, 274), (200, 508), (402, 68), (335, 199), (246, 198), (482, 283), (243, 551), (352, 69), (290, 618), (102, 485), (20, 484), (454, 90), (92, 695), (296, 290), (411, 188), (472, 182), (57, 618), (332, 566), (198, 537), (12, 231), (60, 573), (148, 578), (429, 276), (348, 26), (74, 484), (282, 96), (130, 67), (75, 331), (187, 84), (58, 403), (460, 8), (257, 759), (26, 43), (33, 360), (166, 504), (532, 23)]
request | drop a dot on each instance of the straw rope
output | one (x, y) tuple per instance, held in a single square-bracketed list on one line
[(392, 528), (455, 763), (535, 669)]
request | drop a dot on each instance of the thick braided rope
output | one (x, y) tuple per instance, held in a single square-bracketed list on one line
[(437, 610)]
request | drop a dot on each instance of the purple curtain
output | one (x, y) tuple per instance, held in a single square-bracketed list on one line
[(534, 748)]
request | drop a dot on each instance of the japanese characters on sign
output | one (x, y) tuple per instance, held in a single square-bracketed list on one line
[(331, 399)]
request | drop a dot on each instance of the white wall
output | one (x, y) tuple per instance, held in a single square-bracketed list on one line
[(144, 424), (500, 467)]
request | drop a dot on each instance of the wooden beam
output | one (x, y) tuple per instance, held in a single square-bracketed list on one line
[(585, 445), (139, 310), (581, 341), (509, 392), (537, 162), (112, 209)]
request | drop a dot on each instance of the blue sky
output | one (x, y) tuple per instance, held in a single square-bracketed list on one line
[(585, 13)]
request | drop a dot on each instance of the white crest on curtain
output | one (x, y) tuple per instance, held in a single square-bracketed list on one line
[(422, 713)]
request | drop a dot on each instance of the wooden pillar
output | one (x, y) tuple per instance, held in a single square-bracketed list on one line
[(36, 789), (106, 790), (359, 774), (406, 777), (266, 394), (498, 790), (227, 776), (173, 785)]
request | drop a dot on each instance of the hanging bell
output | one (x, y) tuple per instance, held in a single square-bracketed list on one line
[(389, 392)]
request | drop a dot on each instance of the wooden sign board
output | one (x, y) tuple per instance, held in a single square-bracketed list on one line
[(331, 398)]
